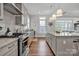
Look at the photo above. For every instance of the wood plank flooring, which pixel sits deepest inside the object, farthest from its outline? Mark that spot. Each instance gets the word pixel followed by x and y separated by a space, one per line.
pixel 39 47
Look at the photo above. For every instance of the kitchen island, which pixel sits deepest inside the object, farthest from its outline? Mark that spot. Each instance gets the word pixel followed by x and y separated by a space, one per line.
pixel 63 45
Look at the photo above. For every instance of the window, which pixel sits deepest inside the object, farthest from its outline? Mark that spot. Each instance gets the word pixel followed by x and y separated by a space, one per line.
pixel 42 23
pixel 42 27
pixel 64 25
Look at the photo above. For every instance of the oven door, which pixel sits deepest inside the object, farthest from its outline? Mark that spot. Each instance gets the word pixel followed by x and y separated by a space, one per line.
pixel 24 46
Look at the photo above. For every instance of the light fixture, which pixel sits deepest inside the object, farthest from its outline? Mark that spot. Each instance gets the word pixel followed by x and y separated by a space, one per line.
pixel 54 16
pixel 50 19
pixel 59 12
pixel 42 17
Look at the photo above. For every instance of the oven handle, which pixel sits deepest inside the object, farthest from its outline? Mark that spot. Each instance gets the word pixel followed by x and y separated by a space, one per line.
pixel 25 41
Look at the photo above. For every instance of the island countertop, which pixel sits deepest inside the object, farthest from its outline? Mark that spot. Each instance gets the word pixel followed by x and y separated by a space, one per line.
pixel 66 34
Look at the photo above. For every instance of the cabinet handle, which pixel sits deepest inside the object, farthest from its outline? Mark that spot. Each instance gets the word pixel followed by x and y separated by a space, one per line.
pixel 10 46
pixel 75 41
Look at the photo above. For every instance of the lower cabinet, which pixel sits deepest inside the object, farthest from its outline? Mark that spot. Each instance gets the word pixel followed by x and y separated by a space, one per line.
pixel 13 52
pixel 65 46
pixel 62 45
pixel 52 42
pixel 10 49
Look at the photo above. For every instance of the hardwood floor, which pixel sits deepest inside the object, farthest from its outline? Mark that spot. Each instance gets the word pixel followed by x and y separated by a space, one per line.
pixel 39 47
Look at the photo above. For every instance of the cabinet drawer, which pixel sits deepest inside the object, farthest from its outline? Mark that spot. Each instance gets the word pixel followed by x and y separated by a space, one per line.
pixel 7 48
pixel 13 52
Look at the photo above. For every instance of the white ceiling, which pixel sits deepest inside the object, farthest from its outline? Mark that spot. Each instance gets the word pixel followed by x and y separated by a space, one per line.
pixel 70 9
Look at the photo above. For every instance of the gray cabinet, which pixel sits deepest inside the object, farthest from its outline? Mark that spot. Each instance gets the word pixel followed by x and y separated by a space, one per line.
pixel 1 10
pixel 65 46
pixel 51 40
pixel 13 8
pixel 18 20
pixel 21 19
pixel 10 49
pixel 53 44
pixel 19 5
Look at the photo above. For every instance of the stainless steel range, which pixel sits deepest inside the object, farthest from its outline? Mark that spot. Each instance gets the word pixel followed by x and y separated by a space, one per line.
pixel 23 48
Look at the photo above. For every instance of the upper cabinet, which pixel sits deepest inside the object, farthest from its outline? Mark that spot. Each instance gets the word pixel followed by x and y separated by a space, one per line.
pixel 22 19
pixel 25 15
pixel 1 10
pixel 13 8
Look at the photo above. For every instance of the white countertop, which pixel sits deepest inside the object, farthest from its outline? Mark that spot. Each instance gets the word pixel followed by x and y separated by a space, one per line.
pixel 5 41
pixel 66 34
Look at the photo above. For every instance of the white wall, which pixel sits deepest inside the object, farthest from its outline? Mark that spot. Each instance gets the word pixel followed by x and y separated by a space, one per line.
pixel 9 21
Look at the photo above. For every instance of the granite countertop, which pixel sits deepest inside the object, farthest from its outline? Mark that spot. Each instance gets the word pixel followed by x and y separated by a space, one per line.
pixel 5 41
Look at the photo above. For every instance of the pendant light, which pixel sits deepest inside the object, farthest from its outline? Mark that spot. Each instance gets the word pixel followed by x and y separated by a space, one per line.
pixel 59 12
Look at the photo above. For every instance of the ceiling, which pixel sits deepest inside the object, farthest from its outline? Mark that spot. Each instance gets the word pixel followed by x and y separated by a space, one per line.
pixel 70 9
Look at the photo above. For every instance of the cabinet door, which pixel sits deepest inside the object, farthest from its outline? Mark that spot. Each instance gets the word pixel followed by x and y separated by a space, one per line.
pixel 24 16
pixel 53 44
pixel 19 5
pixel 13 52
pixel 59 47
pixel 5 49
pixel 65 46
pixel 68 47
pixel 1 10
pixel 18 20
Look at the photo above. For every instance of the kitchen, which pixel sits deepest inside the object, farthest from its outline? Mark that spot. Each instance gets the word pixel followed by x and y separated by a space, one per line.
pixel 22 24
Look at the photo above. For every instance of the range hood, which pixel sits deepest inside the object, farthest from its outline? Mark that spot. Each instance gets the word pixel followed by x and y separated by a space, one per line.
pixel 12 8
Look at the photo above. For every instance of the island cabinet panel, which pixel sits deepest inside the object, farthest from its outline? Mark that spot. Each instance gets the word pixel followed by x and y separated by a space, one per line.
pixel 65 46
pixel 53 44
pixel 51 40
